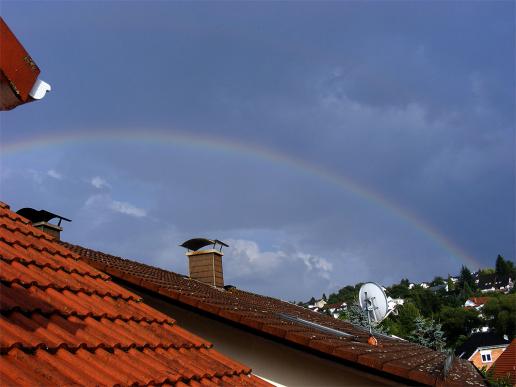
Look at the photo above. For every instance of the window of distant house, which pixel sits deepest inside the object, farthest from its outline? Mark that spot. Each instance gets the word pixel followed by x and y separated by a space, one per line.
pixel 486 356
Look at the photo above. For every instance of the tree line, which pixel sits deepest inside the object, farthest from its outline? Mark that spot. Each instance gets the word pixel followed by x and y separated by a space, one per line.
pixel 437 318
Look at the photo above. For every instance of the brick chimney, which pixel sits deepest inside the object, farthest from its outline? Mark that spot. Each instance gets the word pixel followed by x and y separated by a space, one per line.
pixel 41 219
pixel 49 228
pixel 205 265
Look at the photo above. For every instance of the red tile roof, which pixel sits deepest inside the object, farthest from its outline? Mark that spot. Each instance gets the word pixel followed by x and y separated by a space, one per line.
pixel 398 358
pixel 505 365
pixel 18 72
pixel 65 323
pixel 479 300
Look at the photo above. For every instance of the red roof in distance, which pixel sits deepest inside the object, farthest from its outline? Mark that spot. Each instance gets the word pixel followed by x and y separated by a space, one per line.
pixel 505 365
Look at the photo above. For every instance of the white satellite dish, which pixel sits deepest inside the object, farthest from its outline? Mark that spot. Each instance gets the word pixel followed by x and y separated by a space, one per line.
pixel 373 301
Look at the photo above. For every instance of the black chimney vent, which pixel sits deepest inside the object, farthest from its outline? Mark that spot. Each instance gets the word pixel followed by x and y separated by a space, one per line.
pixel 41 218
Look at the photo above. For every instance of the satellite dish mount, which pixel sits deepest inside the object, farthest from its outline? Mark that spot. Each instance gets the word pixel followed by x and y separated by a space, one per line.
pixel 373 302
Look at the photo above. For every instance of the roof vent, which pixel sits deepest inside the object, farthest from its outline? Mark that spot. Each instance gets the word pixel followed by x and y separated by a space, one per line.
pixel 41 218
pixel 205 265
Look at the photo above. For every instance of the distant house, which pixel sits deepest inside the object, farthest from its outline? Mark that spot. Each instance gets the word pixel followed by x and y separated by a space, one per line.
pixel 505 366
pixel 336 309
pixel 438 288
pixel 482 349
pixel 320 303
pixel 495 283
pixel 476 303
pixel 392 303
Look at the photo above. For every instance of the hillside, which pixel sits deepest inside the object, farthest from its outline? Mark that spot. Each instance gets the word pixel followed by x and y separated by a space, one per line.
pixel 443 313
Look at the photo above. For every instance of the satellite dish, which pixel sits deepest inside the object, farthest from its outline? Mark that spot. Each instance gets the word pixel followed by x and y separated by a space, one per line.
pixel 373 301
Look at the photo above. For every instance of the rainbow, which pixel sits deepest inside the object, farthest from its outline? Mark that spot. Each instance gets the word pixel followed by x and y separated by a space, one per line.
pixel 222 144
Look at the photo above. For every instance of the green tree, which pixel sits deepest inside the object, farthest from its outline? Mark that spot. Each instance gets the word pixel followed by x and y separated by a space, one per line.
pixel 347 294
pixel 457 322
pixel 404 323
pixel 356 315
pixel 466 278
pixel 428 302
pixel 500 313
pixel 400 290
pixel 466 292
pixel 438 281
pixel 504 267
pixel 428 333
pixel 451 285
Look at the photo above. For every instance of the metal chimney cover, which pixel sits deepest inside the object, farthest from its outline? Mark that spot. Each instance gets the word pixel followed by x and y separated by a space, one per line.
pixel 36 216
pixel 195 244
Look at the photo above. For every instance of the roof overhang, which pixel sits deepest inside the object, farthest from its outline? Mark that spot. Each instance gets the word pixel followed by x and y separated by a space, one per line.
pixel 19 81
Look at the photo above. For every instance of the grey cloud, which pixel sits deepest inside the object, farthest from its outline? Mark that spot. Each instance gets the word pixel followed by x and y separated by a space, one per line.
pixel 412 101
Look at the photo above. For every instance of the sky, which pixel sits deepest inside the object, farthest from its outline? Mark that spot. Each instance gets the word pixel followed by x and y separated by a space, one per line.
pixel 328 143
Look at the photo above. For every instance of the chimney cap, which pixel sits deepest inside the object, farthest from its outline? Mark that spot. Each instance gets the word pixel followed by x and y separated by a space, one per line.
pixel 36 216
pixel 195 244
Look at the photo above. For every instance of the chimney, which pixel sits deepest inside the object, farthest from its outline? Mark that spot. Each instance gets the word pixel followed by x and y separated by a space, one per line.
pixel 41 219
pixel 205 265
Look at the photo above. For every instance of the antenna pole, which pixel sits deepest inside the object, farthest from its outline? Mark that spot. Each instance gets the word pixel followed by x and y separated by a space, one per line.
pixel 367 311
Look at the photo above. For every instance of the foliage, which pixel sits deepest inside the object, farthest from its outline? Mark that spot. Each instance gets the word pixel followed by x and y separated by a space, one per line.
pixel 347 294
pixel 466 280
pixel 504 381
pixel 504 267
pixel 400 290
pixel 406 319
pixel 428 333
pixel 458 322
pixel 356 315
pixel 451 285
pixel 500 312
pixel 438 281
pixel 447 308
pixel 428 302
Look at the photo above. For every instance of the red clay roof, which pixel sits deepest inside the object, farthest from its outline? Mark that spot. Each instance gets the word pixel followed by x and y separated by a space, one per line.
pixel 65 323
pixel 18 72
pixel 412 362
pixel 505 365
pixel 479 300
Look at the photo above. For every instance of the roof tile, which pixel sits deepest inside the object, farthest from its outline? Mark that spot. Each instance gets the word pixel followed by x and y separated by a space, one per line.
pixel 262 313
pixel 505 365
pixel 69 324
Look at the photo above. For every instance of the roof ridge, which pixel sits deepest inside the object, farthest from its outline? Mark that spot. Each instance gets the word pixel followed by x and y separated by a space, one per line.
pixel 92 251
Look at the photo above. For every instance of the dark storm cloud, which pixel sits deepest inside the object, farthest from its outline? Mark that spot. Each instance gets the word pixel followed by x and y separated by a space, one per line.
pixel 414 101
